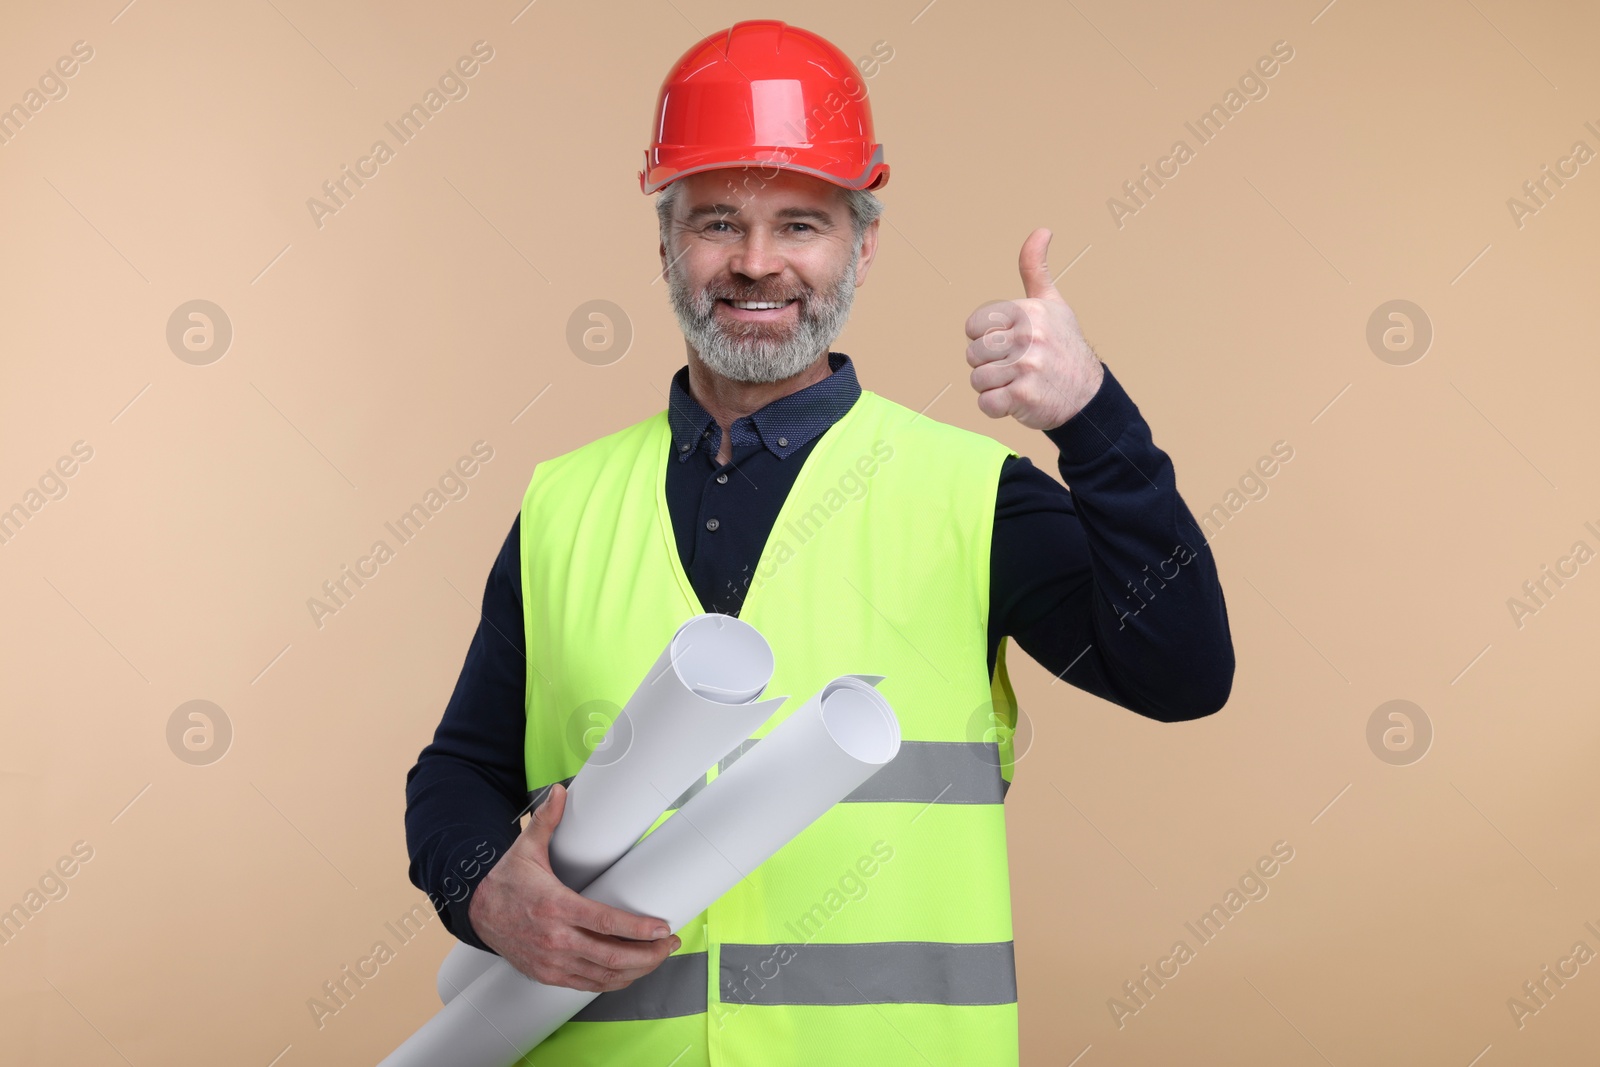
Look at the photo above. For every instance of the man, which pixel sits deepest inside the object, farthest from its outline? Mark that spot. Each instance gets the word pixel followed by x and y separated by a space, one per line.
pixel 857 535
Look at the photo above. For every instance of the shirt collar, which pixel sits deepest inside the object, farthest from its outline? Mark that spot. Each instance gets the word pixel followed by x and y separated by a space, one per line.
pixel 788 423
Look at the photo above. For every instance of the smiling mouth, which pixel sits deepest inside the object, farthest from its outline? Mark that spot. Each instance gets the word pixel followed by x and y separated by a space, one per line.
pixel 756 305
pixel 758 311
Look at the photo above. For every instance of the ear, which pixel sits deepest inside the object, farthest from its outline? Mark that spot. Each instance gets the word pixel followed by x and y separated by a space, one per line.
pixel 869 248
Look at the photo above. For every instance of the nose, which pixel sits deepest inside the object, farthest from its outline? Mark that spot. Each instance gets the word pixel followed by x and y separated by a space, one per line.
pixel 756 256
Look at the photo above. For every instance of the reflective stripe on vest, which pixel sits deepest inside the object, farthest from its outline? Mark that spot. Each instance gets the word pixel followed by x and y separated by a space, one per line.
pixel 929 772
pixel 882 932
pixel 894 972
pixel 676 988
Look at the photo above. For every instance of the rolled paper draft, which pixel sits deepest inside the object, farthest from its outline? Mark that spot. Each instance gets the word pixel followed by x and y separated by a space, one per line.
pixel 461 968
pixel 693 706
pixel 812 760
pixel 807 764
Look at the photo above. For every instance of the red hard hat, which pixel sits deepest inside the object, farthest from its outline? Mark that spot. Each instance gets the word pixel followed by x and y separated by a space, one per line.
pixel 764 94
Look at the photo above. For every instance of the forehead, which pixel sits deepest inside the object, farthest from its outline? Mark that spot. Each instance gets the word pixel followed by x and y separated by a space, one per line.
pixel 755 192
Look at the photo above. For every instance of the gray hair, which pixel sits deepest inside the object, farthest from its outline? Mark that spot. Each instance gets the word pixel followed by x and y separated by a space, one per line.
pixel 864 210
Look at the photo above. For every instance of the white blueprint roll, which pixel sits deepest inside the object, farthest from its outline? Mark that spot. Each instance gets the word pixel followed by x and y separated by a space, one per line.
pixel 460 969
pixel 691 708
pixel 807 764
pixel 812 760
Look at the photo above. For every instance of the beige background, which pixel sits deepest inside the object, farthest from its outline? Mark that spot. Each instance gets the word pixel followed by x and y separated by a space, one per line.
pixel 431 310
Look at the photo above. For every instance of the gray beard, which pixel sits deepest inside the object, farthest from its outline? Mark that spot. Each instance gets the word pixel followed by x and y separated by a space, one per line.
pixel 757 352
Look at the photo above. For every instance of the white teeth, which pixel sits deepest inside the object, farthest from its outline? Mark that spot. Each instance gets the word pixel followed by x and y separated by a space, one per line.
pixel 758 305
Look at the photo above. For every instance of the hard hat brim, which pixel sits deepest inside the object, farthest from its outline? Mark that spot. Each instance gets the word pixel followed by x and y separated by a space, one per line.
pixel 874 175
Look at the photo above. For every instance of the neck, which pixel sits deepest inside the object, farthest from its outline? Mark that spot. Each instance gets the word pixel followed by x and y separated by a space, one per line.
pixel 727 400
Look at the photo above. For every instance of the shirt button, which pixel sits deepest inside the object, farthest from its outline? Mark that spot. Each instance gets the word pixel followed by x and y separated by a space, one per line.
pixel 712 524
pixel 683 448
pixel 783 442
pixel 722 479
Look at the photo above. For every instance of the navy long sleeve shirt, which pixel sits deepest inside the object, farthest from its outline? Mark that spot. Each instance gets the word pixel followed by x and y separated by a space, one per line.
pixel 1110 586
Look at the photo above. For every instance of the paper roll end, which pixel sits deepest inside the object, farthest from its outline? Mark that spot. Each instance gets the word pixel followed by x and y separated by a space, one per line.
pixel 721 658
pixel 860 719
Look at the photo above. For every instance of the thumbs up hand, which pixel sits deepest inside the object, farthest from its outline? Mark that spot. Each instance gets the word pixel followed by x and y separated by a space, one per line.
pixel 1030 359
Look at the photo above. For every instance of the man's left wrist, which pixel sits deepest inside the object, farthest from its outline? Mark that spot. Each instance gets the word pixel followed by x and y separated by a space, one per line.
pixel 1097 380
pixel 1095 427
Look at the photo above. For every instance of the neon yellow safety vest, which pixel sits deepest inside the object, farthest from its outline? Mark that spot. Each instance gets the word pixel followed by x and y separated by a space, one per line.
pixel 882 933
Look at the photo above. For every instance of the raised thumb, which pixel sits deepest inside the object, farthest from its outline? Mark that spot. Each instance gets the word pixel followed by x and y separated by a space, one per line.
pixel 1035 271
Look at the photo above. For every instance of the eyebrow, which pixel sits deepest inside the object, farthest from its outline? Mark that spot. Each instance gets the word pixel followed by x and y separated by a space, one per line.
pixel 729 210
